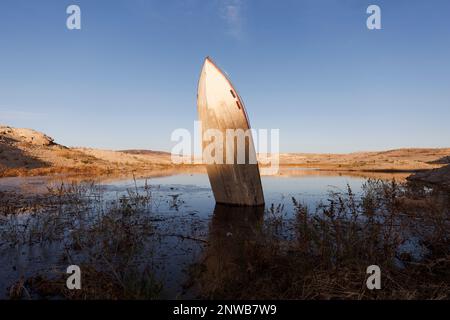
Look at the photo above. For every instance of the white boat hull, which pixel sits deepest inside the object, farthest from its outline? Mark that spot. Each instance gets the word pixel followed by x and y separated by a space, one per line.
pixel 221 108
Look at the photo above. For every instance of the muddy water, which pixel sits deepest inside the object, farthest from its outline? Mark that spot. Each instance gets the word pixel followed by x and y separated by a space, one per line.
pixel 188 222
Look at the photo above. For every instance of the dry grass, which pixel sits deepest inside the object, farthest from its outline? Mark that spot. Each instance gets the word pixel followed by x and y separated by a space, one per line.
pixel 318 254
pixel 328 251
pixel 398 160
pixel 108 240
pixel 90 170
pixel 25 152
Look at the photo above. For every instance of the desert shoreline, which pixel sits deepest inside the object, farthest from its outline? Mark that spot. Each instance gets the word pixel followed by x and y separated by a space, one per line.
pixel 26 152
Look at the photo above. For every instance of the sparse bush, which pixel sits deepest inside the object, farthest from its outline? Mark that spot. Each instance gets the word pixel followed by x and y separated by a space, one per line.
pixel 108 239
pixel 403 229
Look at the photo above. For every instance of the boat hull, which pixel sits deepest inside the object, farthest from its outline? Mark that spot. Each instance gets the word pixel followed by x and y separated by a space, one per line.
pixel 220 108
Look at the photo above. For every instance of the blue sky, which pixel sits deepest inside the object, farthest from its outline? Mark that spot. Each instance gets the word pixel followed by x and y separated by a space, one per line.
pixel 128 78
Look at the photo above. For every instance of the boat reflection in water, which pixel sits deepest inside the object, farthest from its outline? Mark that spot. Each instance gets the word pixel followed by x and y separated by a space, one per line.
pixel 233 231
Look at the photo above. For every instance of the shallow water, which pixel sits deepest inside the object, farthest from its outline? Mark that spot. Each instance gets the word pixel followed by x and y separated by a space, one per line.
pixel 185 216
pixel 194 193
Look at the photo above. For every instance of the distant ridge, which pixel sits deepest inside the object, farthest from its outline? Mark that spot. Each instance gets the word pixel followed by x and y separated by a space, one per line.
pixel 30 152
pixel 145 152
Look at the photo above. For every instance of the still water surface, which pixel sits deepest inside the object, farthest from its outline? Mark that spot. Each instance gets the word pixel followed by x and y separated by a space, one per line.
pixel 188 215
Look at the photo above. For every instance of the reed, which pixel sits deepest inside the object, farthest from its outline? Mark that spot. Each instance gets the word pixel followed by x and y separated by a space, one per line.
pixel 316 253
pixel 402 228
pixel 107 239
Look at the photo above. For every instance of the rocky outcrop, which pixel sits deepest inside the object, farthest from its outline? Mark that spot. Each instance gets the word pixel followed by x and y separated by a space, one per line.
pixel 29 152
pixel 25 135
pixel 440 177
pixel 444 160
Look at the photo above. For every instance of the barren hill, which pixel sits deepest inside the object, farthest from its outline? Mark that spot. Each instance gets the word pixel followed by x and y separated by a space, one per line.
pixel 407 159
pixel 29 152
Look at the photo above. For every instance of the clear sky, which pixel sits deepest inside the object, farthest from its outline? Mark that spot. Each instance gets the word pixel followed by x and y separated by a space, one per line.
pixel 311 68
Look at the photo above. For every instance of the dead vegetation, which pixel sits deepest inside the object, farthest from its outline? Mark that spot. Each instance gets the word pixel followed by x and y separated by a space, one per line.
pixel 324 254
pixel 26 152
pixel 250 253
pixel 397 160
pixel 107 239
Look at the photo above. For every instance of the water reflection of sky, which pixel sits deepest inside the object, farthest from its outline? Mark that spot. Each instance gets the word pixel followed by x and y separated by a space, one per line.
pixel 194 193
pixel 196 206
pixel 182 204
